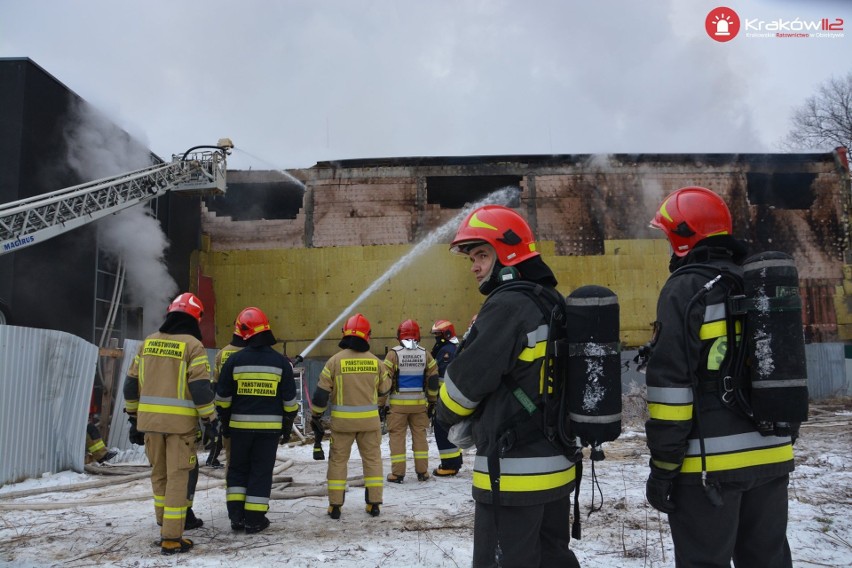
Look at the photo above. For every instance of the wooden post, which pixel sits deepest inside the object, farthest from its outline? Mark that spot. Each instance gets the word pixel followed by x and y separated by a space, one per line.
pixel 110 355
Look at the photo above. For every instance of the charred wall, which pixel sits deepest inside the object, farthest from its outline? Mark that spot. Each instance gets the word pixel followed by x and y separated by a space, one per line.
pixel 794 203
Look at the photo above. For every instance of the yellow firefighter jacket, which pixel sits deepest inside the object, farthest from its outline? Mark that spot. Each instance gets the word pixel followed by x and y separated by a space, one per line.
pixel 168 384
pixel 353 384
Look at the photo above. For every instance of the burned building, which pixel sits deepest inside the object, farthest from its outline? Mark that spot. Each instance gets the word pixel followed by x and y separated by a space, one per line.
pixel 338 227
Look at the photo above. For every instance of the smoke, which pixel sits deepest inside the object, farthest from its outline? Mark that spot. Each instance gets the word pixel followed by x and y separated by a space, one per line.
pixel 97 149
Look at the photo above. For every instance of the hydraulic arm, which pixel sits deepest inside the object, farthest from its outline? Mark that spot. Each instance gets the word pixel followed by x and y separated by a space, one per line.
pixel 36 219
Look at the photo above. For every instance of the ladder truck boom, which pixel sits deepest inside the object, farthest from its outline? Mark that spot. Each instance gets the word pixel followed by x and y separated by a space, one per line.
pixel 29 221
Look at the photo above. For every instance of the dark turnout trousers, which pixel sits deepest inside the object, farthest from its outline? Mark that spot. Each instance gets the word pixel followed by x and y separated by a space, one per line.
pixel 750 527
pixel 531 536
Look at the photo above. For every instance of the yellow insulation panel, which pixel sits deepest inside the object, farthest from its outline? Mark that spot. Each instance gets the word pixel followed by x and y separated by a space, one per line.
pixel 308 293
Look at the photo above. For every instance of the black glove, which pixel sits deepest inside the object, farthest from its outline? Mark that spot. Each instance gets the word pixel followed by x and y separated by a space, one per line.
pixel 212 430
pixel 659 488
pixel 430 410
pixel 134 435
pixel 286 431
pixel 383 413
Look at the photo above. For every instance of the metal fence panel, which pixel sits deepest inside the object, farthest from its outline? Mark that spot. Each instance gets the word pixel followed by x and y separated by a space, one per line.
pixel 46 380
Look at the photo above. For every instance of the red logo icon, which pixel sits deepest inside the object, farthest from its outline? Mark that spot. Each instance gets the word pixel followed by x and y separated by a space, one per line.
pixel 722 24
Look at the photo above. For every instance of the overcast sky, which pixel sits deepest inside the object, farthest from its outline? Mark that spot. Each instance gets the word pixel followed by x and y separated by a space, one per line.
pixel 297 82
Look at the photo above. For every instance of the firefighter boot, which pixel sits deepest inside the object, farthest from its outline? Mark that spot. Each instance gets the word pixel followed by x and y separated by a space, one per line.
pixel 262 525
pixel 175 546
pixel 444 472
pixel 393 478
pixel 373 509
pixel 191 521
pixel 334 511
pixel 422 476
pixel 108 456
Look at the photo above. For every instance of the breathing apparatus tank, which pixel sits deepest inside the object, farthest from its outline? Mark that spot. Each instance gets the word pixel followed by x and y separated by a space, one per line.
pixel 775 340
pixel 593 367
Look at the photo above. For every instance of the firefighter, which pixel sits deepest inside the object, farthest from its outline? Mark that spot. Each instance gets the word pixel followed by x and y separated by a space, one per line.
pixel 444 350
pixel 256 400
pixel 166 391
pixel 722 483
pixel 95 447
pixel 522 482
pixel 237 343
pixel 354 383
pixel 414 374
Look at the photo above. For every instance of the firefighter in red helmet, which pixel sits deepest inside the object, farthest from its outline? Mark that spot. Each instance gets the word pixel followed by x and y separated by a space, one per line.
pixel 166 391
pixel 522 482
pixel 721 481
pixel 353 384
pixel 256 401
pixel 414 374
pixel 443 351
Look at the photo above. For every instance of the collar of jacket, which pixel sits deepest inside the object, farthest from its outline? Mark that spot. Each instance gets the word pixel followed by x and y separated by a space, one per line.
pixel 719 247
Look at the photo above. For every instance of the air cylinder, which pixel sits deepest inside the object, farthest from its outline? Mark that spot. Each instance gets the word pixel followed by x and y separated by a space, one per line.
pixel 594 365
pixel 776 342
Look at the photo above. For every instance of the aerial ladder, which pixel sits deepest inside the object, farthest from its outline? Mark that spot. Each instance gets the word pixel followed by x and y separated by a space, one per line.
pixel 26 222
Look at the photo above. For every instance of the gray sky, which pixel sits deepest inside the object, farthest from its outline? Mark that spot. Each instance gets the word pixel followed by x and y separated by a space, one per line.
pixel 296 82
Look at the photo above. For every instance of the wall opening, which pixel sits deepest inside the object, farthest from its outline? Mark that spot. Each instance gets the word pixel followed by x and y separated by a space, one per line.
pixel 454 192
pixel 781 190
pixel 252 201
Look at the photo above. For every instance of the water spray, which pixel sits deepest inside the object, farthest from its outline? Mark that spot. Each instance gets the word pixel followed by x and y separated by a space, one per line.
pixel 502 196
pixel 290 177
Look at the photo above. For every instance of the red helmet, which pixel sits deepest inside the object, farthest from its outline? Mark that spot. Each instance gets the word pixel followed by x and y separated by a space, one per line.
pixel 444 328
pixel 358 326
pixel 250 322
pixel 500 227
pixel 189 304
pixel 691 214
pixel 408 330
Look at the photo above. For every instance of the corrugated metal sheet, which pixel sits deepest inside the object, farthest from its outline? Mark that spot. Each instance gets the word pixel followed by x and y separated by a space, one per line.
pixel 46 378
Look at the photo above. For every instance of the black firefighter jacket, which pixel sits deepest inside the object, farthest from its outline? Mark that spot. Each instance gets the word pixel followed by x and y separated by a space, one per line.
pixel 508 338
pixel 693 345
pixel 256 391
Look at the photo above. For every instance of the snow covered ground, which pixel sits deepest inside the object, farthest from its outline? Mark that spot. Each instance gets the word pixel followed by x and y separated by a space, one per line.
pixel 63 519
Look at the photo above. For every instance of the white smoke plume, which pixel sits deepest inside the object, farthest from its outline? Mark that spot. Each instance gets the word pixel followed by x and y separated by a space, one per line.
pixel 97 148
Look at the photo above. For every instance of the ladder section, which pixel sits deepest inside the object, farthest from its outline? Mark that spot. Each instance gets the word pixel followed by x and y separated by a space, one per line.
pixel 36 219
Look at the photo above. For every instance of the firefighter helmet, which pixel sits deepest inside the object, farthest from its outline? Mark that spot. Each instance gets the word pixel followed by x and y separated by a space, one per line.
pixel 408 330
pixel 358 326
pixel 500 227
pixel 443 328
pixel 250 322
pixel 691 214
pixel 187 303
